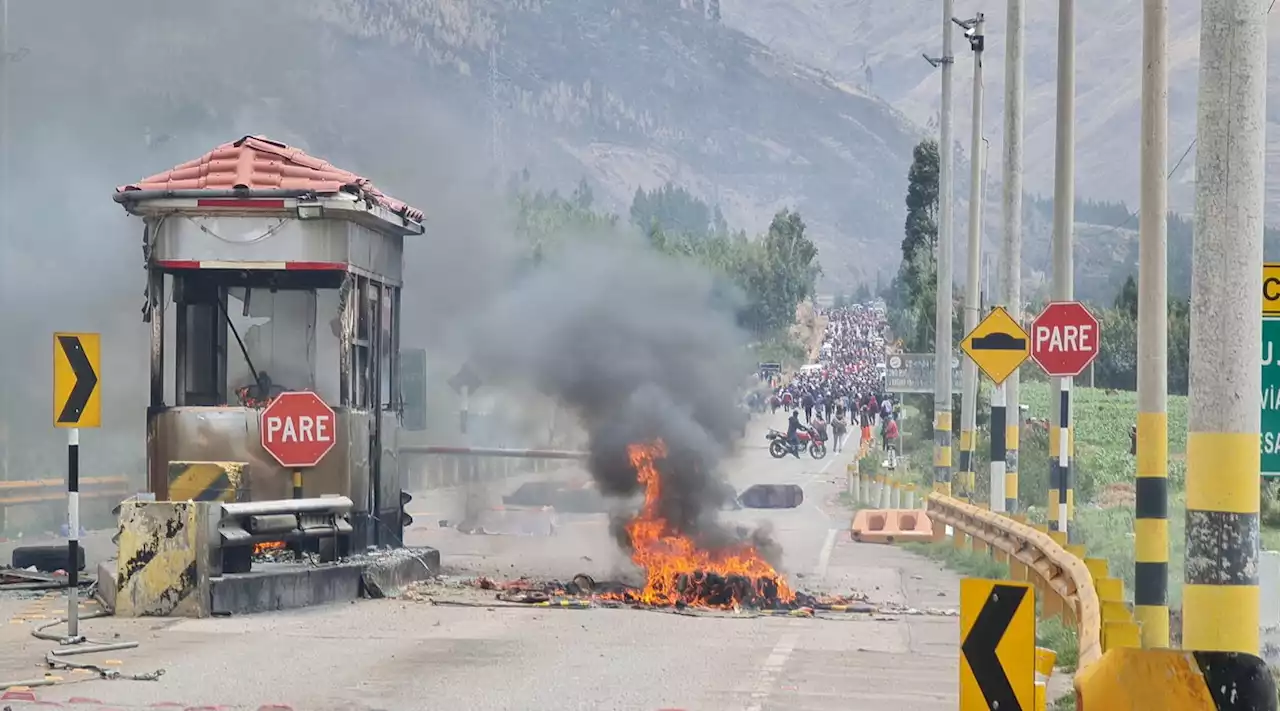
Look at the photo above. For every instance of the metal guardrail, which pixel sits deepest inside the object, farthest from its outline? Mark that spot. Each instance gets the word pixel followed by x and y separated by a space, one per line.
pixel 494 452
pixel 33 491
pixel 320 523
pixel 1063 579
pixel 440 466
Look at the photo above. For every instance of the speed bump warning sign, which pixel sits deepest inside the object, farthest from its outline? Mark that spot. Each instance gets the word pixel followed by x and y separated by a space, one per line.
pixel 998 345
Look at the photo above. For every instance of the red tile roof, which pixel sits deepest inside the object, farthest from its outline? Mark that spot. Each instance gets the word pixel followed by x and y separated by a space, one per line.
pixel 258 163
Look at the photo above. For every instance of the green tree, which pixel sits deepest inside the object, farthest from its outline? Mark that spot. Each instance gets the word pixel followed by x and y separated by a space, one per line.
pixel 582 195
pixel 1127 299
pixel 779 272
pixel 671 209
pixel 911 294
pixel 761 280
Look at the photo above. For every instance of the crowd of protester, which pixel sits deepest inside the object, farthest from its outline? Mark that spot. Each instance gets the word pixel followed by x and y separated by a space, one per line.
pixel 843 391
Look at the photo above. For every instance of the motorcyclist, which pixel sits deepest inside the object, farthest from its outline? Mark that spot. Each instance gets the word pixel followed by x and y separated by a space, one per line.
pixel 793 427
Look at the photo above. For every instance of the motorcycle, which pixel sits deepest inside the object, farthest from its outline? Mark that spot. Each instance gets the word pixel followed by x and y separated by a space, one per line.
pixel 779 447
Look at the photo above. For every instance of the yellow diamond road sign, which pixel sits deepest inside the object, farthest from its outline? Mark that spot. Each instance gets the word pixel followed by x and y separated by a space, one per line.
pixel 76 368
pixel 998 345
pixel 997 645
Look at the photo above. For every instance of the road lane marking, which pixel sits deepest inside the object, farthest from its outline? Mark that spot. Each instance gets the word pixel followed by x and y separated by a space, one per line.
pixel 777 659
pixel 824 558
pixel 772 667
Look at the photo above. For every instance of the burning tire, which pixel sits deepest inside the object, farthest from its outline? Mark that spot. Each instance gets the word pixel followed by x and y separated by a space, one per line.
pixel 817 450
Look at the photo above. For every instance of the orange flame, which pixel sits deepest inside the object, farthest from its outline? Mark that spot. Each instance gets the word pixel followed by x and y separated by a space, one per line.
pixel 267 546
pixel 671 559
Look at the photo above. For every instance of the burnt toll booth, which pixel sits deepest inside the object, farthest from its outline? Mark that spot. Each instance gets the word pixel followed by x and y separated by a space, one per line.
pixel 271 271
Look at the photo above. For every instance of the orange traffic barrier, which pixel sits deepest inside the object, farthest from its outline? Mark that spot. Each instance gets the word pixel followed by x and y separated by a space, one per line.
pixel 891 526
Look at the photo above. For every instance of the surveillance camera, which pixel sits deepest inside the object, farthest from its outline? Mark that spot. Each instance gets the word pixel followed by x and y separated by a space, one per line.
pixel 970 31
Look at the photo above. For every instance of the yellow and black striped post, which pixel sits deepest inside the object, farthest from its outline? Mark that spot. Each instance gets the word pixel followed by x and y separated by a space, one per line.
pixel 1220 594
pixel 1061 477
pixel 997 498
pixel 1151 530
pixel 297 483
pixel 1055 481
pixel 1012 432
pixel 964 475
pixel 942 453
pixel 1220 598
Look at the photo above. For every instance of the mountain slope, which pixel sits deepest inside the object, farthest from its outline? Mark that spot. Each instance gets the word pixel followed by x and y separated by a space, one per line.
pixel 631 94
pixel 877 44
pixel 640 93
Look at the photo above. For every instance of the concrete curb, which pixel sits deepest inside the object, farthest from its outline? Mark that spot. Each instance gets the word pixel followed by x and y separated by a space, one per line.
pixel 388 575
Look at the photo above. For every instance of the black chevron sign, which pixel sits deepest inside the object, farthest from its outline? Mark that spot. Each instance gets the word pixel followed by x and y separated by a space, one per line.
pixel 979 647
pixel 86 380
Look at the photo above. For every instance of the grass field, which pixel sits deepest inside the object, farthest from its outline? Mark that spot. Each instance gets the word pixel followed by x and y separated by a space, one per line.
pixel 1104 468
pixel 1102 422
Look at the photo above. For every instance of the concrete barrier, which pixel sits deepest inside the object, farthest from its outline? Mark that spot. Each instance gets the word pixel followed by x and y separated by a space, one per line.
pixel 163 564
pixel 1127 679
pixel 891 526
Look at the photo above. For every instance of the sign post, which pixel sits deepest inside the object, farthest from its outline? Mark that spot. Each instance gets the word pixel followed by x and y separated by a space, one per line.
pixel 999 347
pixel 464 382
pixel 77 359
pixel 298 429
pixel 997 645
pixel 1271 370
pixel 907 373
pixel 1065 339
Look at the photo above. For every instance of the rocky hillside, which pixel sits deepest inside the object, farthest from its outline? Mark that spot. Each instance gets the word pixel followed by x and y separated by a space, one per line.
pixel 876 44
pixel 629 94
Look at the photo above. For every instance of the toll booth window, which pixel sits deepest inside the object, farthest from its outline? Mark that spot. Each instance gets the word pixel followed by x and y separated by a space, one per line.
pixel 387 350
pixel 272 333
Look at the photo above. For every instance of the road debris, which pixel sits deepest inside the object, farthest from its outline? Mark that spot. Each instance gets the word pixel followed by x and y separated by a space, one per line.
pixel 583 592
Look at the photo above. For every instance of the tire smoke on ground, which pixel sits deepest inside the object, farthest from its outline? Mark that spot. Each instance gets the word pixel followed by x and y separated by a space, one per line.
pixel 641 347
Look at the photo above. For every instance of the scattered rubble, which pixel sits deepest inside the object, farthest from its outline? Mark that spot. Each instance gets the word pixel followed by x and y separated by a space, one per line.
pixel 582 591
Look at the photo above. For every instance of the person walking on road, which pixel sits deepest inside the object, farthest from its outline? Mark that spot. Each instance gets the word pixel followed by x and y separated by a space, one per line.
pixel 889 433
pixel 819 426
pixel 839 430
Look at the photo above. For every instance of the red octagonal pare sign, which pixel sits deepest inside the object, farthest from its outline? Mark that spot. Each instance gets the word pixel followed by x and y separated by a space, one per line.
pixel 298 429
pixel 1065 339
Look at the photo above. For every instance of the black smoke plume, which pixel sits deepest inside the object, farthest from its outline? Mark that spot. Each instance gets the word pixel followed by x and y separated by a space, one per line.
pixel 642 347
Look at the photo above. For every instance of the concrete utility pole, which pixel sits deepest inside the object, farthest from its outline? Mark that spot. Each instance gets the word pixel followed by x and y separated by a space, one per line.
pixel 973 276
pixel 1220 594
pixel 942 322
pixel 1151 511
pixel 1011 264
pixel 1061 444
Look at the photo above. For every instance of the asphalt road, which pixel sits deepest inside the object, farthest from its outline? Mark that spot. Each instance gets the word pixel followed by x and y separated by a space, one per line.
pixel 410 654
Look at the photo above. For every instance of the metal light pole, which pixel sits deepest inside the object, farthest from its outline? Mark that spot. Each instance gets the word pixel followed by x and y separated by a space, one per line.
pixel 1061 443
pixel 1011 264
pixel 1220 596
pixel 969 373
pixel 943 310
pixel 1151 510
